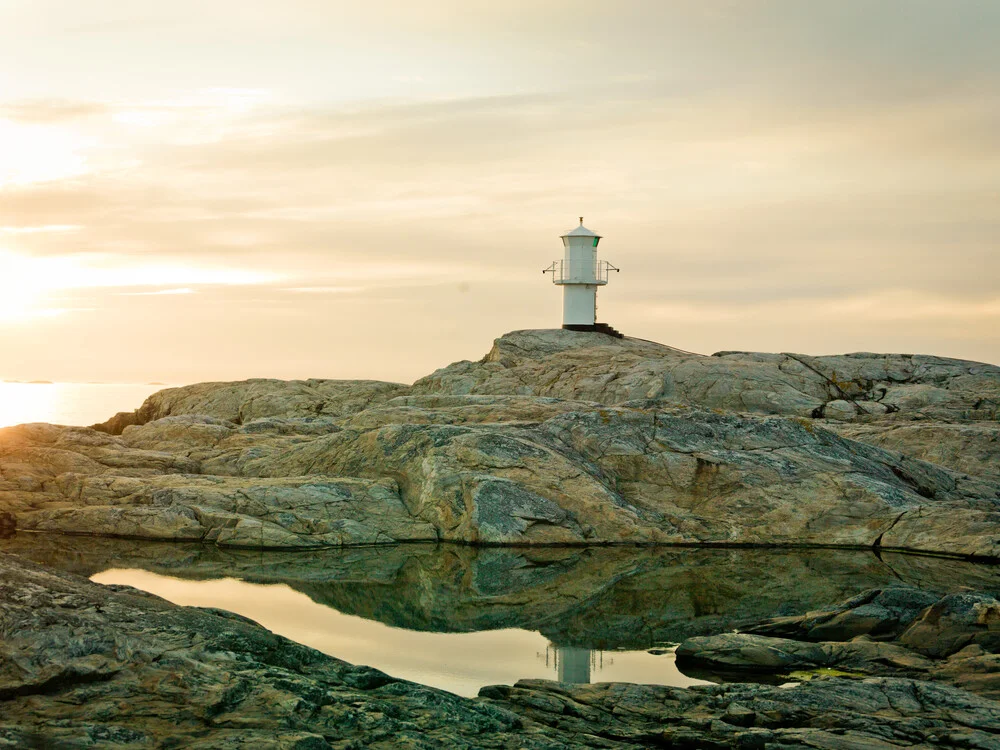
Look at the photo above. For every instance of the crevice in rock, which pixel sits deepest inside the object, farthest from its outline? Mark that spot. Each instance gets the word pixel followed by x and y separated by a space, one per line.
pixel 910 481
pixel 65 680
pixel 840 393
pixel 877 544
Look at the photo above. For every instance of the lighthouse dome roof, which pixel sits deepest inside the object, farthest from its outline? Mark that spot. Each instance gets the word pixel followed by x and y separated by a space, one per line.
pixel 581 231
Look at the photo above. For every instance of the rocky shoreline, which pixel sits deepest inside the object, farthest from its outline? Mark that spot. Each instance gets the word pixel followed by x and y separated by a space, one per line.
pixel 85 665
pixel 895 631
pixel 555 437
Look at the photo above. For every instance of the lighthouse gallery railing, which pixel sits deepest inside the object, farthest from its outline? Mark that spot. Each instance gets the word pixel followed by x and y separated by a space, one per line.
pixel 580 272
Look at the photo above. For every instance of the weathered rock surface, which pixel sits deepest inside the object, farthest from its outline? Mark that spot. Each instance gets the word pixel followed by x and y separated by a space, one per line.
pixel 954 623
pixel 872 714
pixel 260 398
pixel 892 631
pixel 745 651
pixel 594 367
pixel 615 474
pixel 83 481
pixel 556 437
pixel 966 447
pixel 955 401
pixel 83 665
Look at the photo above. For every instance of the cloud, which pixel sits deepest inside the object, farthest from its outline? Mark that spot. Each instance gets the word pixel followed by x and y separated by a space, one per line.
pixel 762 158
pixel 325 289
pixel 51 111
pixel 888 306
pixel 159 292
pixel 44 228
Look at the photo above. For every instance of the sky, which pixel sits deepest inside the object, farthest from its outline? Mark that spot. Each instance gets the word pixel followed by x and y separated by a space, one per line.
pixel 314 188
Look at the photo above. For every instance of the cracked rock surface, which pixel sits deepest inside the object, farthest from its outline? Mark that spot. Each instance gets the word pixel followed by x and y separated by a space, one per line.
pixel 892 631
pixel 555 437
pixel 84 665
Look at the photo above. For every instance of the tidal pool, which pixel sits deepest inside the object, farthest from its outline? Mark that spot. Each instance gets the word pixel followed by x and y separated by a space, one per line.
pixel 460 618
pixel 459 662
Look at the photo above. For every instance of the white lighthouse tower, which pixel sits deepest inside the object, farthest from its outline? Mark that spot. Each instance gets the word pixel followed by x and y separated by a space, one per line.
pixel 579 273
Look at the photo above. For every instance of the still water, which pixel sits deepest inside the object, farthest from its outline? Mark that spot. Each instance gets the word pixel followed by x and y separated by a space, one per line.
pixel 460 618
pixel 459 662
pixel 69 403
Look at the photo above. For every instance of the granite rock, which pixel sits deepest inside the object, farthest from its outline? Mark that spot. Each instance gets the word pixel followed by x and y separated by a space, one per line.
pixel 590 475
pixel 965 447
pixel 555 437
pixel 892 631
pixel 883 612
pixel 594 367
pixel 84 665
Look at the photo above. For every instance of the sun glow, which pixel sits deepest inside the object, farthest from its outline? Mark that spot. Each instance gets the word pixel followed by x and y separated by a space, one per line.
pixel 67 403
pixel 27 282
pixel 19 289
pixel 38 153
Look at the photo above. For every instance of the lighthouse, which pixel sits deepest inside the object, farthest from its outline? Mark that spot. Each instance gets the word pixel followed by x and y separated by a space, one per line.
pixel 579 273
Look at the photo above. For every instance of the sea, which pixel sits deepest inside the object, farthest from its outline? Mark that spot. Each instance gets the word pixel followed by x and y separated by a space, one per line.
pixel 69 403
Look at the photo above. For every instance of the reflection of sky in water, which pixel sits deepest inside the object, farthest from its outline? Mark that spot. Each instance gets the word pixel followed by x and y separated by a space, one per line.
pixel 459 662
pixel 68 403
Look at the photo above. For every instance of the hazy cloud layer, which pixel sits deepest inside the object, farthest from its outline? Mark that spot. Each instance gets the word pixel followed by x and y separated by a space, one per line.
pixel 310 190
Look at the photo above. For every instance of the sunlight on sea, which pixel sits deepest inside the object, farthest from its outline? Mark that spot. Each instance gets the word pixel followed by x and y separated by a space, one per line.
pixel 69 403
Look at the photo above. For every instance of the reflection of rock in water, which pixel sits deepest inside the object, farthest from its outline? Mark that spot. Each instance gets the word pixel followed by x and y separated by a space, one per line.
pixel 590 598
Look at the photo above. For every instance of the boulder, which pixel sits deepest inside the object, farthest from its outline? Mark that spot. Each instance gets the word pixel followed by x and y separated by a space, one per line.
pixel 955 622
pixel 955 638
pixel 758 653
pixel 884 613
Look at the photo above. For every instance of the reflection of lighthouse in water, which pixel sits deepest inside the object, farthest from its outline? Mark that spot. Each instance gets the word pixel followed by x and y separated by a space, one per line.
pixel 573 665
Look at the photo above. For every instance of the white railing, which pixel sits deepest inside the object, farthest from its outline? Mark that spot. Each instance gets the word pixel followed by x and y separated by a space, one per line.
pixel 580 272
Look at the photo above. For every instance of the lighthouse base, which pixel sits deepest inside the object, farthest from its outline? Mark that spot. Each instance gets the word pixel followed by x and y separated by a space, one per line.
pixel 595 328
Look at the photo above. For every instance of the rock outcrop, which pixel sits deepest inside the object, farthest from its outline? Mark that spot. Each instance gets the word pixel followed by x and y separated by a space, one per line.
pixel 892 631
pixel 872 714
pixel 556 437
pixel 247 400
pixel 955 402
pixel 593 367
pixel 964 446
pixel 84 665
